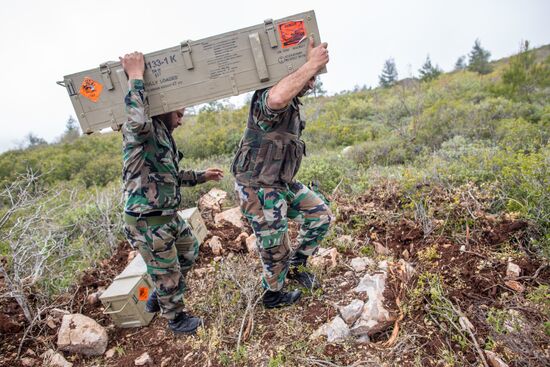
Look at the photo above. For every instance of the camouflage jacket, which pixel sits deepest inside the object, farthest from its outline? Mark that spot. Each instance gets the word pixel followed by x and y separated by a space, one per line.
pixel 151 175
pixel 271 151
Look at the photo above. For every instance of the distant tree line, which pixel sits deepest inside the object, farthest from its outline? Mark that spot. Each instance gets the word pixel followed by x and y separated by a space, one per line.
pixel 478 61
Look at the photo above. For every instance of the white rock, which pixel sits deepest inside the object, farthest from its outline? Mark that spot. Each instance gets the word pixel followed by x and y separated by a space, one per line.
pixel 337 330
pixel 383 265
pixel 28 362
pixel 321 331
pixel 166 362
pixel 513 270
pixel 325 258
pixel 362 327
pixel 363 339
pixel 143 360
pixel 372 284
pixel 51 322
pixel 381 249
pixel 462 248
pixel 80 334
pixel 251 244
pixel 215 245
pixel 352 312
pixel 494 360
pixel 53 359
pixel 374 317
pixel 232 216
pixel 210 204
pixel 361 263
pixel 110 353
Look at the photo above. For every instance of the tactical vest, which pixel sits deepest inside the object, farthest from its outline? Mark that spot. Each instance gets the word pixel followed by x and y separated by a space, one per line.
pixel 270 158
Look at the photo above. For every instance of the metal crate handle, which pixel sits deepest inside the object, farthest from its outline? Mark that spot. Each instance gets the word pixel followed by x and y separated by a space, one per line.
pixel 105 312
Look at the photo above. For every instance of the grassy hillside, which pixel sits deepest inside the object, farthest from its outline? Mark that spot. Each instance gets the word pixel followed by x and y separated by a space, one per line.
pixel 459 156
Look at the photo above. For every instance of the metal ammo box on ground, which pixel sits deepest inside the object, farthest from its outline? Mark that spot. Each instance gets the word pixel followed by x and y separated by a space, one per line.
pixel 195 72
pixel 194 219
pixel 125 298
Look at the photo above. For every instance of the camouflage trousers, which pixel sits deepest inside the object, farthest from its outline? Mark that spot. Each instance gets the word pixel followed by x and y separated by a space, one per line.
pixel 169 250
pixel 268 211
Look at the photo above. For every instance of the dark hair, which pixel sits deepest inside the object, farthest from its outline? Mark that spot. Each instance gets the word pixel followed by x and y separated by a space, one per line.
pixel 165 119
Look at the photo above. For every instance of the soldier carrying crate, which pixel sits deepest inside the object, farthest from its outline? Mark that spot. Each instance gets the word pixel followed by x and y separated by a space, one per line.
pixel 152 182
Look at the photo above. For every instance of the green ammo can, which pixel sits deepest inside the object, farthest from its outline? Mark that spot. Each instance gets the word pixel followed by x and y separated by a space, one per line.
pixel 125 298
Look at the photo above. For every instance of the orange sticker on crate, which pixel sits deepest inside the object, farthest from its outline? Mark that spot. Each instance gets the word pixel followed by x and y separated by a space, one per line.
pixel 292 33
pixel 143 293
pixel 91 89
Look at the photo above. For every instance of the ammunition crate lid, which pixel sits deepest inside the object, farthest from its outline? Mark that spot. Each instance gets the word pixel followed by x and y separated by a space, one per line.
pixel 120 288
pixel 125 282
pixel 137 267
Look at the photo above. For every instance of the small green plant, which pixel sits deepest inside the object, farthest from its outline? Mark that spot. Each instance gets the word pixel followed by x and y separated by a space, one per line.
pixel 448 356
pixel 497 318
pixel 429 253
pixel 237 357
pixel 277 361
pixel 120 351
pixel 540 296
pixel 490 344
pixel 367 251
pixel 240 355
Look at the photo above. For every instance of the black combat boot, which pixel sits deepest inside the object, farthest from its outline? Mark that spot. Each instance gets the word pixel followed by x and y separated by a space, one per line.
pixel 298 272
pixel 152 304
pixel 184 323
pixel 280 298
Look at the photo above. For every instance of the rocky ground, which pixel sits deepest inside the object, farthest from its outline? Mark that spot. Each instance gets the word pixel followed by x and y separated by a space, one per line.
pixel 442 281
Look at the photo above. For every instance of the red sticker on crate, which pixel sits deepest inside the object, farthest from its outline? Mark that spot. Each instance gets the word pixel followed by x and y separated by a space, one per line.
pixel 292 33
pixel 143 293
pixel 91 89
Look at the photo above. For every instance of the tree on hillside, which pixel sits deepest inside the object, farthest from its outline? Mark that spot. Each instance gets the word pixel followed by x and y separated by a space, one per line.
pixel 32 140
pixel 479 59
pixel 524 74
pixel 460 63
pixel 318 88
pixel 72 130
pixel 389 74
pixel 212 106
pixel 428 71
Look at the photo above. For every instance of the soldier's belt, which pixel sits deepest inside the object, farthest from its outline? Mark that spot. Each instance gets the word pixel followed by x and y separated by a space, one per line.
pixel 151 221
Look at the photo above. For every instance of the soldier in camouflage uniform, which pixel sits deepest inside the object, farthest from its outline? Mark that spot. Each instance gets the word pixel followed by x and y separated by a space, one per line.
pixel 264 167
pixel 152 182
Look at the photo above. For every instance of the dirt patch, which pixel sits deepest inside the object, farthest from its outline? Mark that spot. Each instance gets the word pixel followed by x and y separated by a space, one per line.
pixel 459 250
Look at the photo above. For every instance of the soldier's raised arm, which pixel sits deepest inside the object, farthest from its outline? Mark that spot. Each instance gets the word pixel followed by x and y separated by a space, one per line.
pixel 139 124
pixel 287 88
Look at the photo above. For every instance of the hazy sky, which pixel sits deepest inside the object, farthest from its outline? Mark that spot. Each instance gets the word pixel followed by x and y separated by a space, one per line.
pixel 41 41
